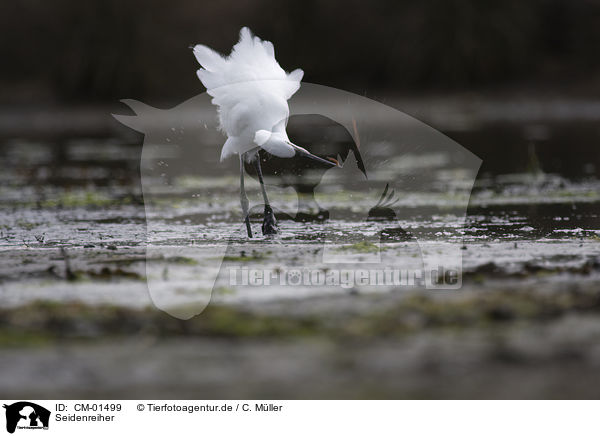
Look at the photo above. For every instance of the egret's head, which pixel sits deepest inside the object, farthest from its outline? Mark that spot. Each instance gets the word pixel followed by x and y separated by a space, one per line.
pixel 278 144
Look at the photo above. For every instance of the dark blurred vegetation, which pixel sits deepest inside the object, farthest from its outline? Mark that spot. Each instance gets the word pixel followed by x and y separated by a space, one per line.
pixel 101 50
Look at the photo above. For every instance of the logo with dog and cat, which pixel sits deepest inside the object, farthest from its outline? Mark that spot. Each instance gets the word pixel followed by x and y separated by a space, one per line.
pixel 25 415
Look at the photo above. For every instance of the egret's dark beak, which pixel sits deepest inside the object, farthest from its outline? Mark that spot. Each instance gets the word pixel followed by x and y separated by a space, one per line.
pixel 329 161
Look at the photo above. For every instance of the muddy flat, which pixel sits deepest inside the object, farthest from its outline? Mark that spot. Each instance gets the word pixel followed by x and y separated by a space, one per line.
pixel 88 252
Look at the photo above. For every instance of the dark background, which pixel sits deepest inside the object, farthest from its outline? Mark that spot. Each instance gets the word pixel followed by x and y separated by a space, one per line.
pixel 514 81
pixel 67 51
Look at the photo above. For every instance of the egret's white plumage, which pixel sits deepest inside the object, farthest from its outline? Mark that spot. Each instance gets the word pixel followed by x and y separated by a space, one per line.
pixel 251 91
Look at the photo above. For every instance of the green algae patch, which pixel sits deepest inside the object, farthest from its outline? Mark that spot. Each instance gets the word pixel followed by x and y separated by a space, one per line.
pixel 361 247
pixel 42 322
pixel 11 338
pixel 181 260
pixel 45 322
pixel 80 199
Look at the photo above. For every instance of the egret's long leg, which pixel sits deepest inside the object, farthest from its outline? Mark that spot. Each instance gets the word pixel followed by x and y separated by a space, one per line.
pixel 244 198
pixel 269 226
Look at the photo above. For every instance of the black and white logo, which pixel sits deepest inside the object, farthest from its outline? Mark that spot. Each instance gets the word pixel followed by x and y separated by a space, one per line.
pixel 26 415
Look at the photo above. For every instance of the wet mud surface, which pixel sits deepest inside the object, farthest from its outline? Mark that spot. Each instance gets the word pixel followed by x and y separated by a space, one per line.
pixel 77 319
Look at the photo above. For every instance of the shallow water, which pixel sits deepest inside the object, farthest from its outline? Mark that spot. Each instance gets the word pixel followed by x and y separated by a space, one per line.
pixel 84 196
pixel 76 226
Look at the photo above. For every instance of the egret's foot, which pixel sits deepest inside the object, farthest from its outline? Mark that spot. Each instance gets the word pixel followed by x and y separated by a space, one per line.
pixel 269 226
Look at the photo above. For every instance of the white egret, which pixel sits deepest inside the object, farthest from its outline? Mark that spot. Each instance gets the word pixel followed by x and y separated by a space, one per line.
pixel 251 92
